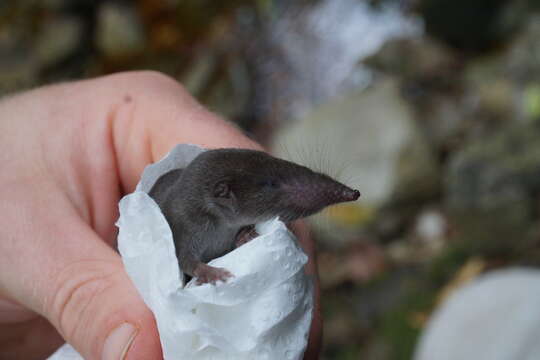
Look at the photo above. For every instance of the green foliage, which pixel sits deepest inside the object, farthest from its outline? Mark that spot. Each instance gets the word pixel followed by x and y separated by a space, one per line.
pixel 402 325
pixel 445 266
pixel 349 352
pixel 398 325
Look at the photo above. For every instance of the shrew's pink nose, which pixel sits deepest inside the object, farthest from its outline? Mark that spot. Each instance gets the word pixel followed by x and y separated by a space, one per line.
pixel 346 194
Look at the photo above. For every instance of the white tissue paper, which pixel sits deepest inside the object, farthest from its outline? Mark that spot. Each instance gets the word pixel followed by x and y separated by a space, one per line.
pixel 263 312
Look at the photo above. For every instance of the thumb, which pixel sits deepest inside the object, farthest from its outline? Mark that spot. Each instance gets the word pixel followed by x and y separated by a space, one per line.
pixel 85 293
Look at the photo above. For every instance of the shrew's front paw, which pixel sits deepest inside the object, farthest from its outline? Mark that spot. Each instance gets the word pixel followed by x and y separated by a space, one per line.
pixel 209 274
pixel 245 235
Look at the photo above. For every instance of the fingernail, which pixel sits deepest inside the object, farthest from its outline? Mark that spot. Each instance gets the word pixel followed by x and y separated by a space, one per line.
pixel 118 342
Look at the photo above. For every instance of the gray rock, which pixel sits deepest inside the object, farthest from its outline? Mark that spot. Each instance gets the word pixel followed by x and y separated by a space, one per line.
pixel 414 57
pixel 57 38
pixel 431 228
pixel 197 75
pixel 495 318
pixel 499 87
pixel 523 56
pixel 222 84
pixel 120 31
pixel 492 185
pixel 431 78
pixel 370 136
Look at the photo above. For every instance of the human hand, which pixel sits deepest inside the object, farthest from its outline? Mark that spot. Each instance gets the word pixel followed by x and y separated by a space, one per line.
pixel 68 153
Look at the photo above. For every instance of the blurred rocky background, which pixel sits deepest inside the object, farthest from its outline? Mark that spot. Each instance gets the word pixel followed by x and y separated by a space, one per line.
pixel 430 107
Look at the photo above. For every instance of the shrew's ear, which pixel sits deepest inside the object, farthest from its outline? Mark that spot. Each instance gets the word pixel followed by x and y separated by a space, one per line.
pixel 222 190
pixel 224 197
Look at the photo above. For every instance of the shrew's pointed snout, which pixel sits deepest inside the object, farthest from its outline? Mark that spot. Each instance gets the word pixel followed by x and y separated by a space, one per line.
pixel 338 193
pixel 348 194
pixel 319 191
pixel 312 192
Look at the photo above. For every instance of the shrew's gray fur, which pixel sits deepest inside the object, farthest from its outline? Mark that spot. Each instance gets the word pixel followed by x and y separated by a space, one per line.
pixel 213 203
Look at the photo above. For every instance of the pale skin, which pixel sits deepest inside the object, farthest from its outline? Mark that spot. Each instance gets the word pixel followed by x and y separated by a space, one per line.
pixel 68 153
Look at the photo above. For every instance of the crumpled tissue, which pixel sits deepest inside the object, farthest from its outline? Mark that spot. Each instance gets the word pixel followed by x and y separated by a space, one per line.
pixel 264 312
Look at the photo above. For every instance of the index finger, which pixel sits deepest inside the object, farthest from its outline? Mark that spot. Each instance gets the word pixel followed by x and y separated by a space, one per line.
pixel 150 113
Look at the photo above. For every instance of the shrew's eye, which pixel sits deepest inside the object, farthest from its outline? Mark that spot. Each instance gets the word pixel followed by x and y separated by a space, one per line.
pixel 269 183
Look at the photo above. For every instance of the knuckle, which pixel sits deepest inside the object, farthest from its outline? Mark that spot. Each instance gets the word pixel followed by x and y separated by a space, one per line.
pixel 78 286
pixel 152 76
pixel 152 79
